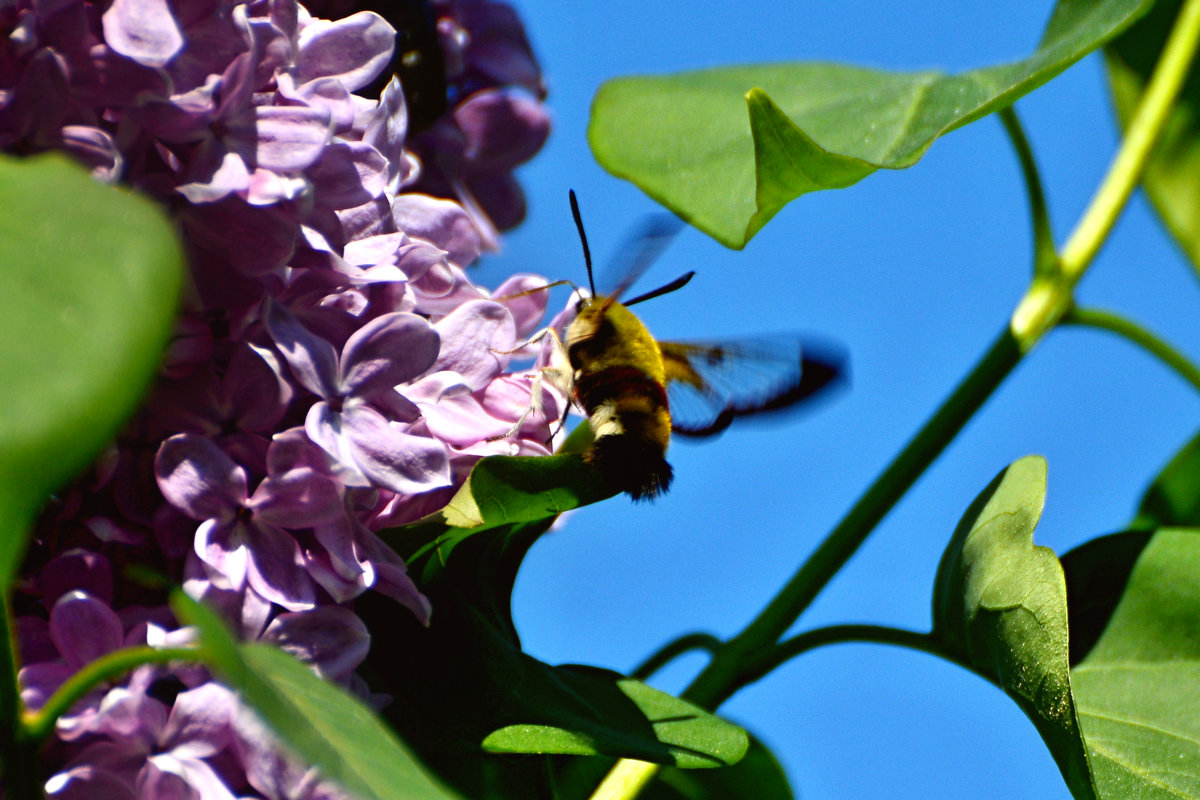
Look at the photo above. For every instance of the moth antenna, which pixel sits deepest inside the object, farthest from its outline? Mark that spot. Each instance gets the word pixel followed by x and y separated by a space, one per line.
pixel 587 253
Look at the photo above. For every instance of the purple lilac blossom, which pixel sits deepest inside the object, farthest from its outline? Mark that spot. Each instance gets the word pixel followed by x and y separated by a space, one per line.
pixel 334 369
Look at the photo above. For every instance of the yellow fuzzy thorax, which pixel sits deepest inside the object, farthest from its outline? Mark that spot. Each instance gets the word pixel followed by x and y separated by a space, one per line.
pixel 615 337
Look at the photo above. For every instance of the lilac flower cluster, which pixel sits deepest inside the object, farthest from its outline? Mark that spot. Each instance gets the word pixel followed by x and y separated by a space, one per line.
pixel 334 370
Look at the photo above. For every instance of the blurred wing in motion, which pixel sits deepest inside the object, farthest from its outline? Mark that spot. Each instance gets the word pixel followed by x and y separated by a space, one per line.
pixel 708 384
pixel 646 244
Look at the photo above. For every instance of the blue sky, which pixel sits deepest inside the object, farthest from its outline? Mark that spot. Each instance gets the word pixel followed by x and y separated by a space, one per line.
pixel 914 272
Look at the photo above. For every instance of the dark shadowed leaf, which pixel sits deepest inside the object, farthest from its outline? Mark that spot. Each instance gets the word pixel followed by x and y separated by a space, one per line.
pixel 757 775
pixel 692 143
pixel 1138 689
pixel 464 681
pixel 1096 573
pixel 1172 177
pixel 1173 499
pixel 319 722
pixel 1000 607
pixel 92 286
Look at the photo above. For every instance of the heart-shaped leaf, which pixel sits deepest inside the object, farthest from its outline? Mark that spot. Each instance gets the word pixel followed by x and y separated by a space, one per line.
pixel 1000 607
pixel 688 141
pixel 91 274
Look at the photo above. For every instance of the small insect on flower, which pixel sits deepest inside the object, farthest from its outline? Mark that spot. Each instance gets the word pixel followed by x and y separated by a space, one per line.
pixel 636 391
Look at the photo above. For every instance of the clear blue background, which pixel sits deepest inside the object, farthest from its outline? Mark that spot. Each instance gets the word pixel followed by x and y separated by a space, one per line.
pixel 915 272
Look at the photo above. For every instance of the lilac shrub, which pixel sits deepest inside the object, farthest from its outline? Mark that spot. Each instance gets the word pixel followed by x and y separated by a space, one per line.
pixel 334 369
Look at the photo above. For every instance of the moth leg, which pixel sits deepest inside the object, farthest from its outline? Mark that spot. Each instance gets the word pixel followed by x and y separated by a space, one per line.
pixel 537 337
pixel 557 373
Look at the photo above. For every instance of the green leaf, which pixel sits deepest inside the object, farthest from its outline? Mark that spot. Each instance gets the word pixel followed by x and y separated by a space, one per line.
pixel 323 725
pixel 1172 177
pixel 1000 607
pixel 687 141
pixel 464 681
pixel 504 491
pixel 1174 497
pixel 757 775
pixel 683 734
pixel 787 163
pixel 92 276
pixel 1138 689
pixel 1097 573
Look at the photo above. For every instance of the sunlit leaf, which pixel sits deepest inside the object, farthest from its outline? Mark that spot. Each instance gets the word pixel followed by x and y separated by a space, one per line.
pixel 505 490
pixel 692 143
pixel 1138 689
pixel 319 722
pixel 1000 606
pixel 91 276
pixel 502 490
pixel 684 734
pixel 1172 176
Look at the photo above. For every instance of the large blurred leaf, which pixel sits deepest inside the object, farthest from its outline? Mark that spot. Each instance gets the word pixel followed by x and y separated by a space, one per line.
pixel 90 274
pixel 1172 177
pixel 1000 606
pixel 757 775
pixel 688 141
pixel 464 681
pixel 1138 690
pixel 319 722
pixel 1173 499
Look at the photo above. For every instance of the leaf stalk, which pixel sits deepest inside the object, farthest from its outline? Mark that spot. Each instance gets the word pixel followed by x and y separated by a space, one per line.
pixel 36 725
pixel 1138 335
pixel 673 649
pixel 1045 256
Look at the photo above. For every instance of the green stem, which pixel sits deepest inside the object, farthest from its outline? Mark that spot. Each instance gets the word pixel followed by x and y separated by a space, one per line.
pixel 10 691
pixel 1047 301
pixel 845 634
pixel 1138 335
pixel 1141 135
pixel 18 775
pixel 1045 257
pixel 39 724
pixel 674 649
pixel 737 660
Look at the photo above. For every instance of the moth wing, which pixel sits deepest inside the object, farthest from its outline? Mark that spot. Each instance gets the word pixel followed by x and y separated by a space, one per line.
pixel 711 383
pixel 645 244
